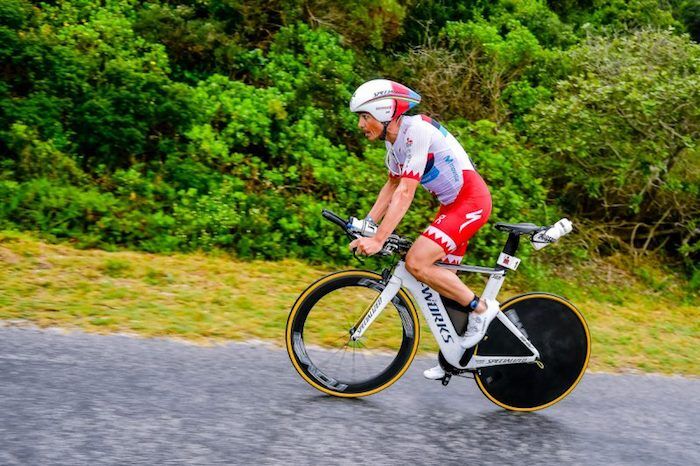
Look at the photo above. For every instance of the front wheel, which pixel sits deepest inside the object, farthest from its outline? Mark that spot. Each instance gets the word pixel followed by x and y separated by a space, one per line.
pixel 558 331
pixel 323 319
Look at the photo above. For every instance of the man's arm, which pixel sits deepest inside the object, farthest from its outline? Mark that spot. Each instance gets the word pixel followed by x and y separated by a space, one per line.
pixel 400 202
pixel 383 199
pixel 417 143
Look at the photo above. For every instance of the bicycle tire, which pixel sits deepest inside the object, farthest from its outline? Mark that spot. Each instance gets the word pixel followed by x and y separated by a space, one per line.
pixel 300 334
pixel 559 332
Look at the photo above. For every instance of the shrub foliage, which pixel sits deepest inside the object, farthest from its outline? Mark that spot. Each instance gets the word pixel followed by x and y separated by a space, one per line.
pixel 181 124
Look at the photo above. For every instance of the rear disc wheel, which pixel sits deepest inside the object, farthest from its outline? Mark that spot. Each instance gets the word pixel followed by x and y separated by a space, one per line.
pixel 559 332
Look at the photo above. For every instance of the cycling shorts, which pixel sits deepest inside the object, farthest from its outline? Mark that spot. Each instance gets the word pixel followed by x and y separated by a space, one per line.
pixel 457 222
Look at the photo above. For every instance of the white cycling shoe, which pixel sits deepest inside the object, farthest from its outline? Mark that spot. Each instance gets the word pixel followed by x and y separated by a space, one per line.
pixel 434 373
pixel 478 323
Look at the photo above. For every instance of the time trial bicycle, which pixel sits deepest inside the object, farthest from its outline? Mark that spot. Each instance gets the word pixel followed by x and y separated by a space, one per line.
pixel 354 333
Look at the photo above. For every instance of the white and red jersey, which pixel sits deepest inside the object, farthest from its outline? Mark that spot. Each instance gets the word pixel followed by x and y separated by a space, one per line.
pixel 425 151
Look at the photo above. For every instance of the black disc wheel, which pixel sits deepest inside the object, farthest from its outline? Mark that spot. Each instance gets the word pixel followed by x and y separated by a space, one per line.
pixel 558 331
pixel 322 321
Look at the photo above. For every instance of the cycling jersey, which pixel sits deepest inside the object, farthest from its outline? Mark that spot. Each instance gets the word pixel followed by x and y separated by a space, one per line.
pixel 425 151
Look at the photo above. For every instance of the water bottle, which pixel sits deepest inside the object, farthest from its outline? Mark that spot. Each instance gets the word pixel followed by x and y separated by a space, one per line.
pixel 553 233
pixel 366 227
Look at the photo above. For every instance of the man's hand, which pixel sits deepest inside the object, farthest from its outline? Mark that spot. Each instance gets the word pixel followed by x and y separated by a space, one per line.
pixel 367 246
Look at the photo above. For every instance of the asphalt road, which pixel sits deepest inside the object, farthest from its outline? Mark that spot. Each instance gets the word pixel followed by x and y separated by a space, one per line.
pixel 80 399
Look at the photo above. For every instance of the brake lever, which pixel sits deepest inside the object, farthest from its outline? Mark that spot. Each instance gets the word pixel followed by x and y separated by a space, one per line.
pixel 354 236
pixel 361 261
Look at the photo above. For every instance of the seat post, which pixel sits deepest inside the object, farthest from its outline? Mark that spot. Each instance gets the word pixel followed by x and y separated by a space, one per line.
pixel 512 244
pixel 510 248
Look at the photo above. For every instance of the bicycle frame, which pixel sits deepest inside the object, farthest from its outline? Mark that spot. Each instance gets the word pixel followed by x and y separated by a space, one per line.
pixel 430 303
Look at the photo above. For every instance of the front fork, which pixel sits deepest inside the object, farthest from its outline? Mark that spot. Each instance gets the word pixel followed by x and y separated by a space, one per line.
pixel 376 308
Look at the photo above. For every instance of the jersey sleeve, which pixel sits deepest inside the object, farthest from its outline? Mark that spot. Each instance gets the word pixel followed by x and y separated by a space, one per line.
pixel 392 165
pixel 417 143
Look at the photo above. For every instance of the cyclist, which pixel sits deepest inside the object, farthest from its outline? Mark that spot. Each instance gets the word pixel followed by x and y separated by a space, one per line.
pixel 421 150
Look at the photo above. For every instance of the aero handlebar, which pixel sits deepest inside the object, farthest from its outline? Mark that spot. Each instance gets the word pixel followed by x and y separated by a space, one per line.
pixel 327 214
pixel 394 243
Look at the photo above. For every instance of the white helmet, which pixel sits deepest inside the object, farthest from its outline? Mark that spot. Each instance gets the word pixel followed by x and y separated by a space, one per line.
pixel 383 99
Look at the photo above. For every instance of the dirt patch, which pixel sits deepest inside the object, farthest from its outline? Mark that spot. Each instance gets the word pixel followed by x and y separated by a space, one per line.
pixel 9 257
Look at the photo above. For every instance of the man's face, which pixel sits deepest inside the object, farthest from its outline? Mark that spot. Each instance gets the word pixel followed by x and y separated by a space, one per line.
pixel 370 126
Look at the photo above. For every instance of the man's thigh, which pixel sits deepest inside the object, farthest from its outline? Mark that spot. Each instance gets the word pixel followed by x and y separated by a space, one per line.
pixel 425 251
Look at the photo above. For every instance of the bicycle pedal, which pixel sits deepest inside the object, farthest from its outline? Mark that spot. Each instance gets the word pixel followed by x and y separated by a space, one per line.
pixel 445 380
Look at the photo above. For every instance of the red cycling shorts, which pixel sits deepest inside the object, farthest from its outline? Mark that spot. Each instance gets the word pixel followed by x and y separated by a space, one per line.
pixel 457 222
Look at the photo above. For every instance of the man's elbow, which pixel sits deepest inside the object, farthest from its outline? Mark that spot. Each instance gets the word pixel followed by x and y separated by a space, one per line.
pixel 404 192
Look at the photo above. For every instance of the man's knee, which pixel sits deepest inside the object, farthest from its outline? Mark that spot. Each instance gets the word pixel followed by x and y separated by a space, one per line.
pixel 416 267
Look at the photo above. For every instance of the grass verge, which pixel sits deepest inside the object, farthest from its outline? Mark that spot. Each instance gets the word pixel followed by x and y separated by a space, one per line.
pixel 640 320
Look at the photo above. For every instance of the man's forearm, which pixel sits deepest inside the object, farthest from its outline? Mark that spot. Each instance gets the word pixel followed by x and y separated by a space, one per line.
pixel 400 202
pixel 383 200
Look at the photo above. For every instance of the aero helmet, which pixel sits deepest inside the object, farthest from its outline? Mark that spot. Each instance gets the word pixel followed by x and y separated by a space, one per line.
pixel 383 99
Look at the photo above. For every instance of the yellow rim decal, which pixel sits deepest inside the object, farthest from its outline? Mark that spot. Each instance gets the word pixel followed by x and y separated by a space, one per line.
pixel 583 369
pixel 323 281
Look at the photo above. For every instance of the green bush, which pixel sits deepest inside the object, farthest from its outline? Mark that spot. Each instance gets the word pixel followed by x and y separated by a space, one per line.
pixel 621 138
pixel 181 124
pixel 465 74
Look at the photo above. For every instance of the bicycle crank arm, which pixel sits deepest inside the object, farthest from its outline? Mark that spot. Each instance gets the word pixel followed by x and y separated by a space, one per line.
pixel 376 308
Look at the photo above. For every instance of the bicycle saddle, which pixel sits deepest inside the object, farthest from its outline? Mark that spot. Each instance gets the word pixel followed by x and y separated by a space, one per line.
pixel 519 228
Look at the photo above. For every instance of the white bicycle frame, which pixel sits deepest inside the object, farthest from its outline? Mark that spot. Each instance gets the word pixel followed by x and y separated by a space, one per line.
pixel 428 300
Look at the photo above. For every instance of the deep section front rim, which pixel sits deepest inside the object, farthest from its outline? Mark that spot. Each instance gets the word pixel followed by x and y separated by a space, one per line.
pixel 318 335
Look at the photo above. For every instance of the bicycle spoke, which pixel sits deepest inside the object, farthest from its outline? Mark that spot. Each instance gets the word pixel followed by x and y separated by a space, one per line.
pixel 353 363
pixel 330 355
pixel 342 358
pixel 364 358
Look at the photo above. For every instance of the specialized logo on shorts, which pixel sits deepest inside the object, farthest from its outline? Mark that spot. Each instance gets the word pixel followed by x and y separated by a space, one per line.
pixel 471 218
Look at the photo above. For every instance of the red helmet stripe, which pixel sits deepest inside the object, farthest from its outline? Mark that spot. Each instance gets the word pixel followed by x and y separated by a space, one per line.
pixel 400 89
pixel 402 107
